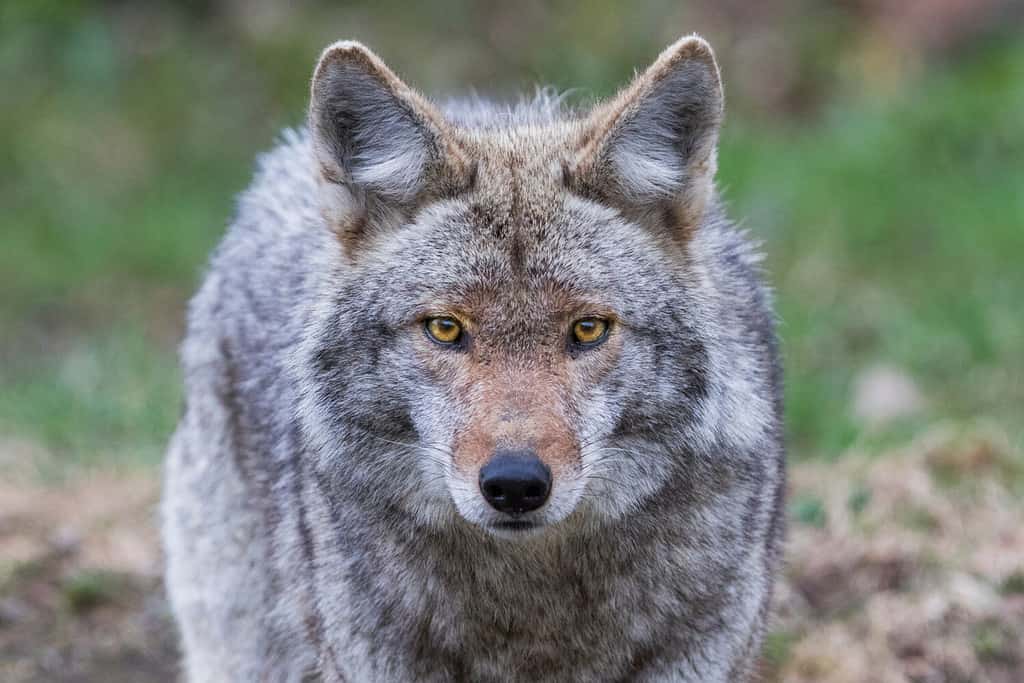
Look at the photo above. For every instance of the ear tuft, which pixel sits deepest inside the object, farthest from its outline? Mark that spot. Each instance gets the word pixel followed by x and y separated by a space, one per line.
pixel 656 141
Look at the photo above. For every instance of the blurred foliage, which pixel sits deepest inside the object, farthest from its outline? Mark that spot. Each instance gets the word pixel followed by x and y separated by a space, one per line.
pixel 808 510
pixel 88 589
pixel 875 153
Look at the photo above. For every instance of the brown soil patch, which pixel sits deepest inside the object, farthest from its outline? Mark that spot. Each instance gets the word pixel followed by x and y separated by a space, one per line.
pixel 905 567
pixel 80 590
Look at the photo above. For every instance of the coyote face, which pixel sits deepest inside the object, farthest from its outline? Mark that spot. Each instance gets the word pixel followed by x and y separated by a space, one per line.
pixel 529 350
pixel 519 311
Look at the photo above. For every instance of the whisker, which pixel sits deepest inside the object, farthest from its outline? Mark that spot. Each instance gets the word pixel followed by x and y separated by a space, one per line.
pixel 426 447
pixel 607 480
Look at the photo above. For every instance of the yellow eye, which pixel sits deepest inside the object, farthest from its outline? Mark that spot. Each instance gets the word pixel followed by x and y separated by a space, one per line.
pixel 589 330
pixel 444 330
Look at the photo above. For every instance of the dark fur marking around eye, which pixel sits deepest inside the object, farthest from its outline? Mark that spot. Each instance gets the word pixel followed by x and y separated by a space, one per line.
pixel 568 178
pixel 471 180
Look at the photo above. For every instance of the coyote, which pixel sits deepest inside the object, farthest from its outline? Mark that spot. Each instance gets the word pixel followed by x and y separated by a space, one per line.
pixel 480 392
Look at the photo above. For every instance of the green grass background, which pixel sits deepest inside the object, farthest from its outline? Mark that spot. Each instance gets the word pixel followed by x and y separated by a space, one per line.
pixel 890 199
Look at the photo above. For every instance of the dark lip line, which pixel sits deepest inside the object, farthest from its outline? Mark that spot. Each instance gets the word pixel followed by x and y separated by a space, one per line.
pixel 515 525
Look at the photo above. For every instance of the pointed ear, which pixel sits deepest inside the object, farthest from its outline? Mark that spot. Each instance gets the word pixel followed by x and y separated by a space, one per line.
pixel 377 141
pixel 654 144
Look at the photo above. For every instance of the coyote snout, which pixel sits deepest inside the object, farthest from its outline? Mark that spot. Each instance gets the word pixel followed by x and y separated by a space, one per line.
pixel 517 446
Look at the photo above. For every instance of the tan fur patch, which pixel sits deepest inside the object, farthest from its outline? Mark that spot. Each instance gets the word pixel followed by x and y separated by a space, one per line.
pixel 516 408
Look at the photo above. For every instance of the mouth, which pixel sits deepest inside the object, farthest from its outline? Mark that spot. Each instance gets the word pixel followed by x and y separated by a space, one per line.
pixel 514 525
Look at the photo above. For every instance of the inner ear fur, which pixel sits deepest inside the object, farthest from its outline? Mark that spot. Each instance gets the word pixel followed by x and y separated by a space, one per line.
pixel 653 146
pixel 380 146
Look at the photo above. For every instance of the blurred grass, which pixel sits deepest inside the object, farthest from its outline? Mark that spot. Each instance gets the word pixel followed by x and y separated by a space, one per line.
pixel 893 221
pixel 895 231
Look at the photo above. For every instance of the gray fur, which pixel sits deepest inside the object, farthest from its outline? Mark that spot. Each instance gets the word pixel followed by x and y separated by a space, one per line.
pixel 320 520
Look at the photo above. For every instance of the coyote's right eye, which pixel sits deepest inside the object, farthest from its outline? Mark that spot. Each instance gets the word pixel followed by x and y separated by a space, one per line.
pixel 590 331
pixel 443 330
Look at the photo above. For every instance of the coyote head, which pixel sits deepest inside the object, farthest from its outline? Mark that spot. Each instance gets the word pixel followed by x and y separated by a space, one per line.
pixel 517 313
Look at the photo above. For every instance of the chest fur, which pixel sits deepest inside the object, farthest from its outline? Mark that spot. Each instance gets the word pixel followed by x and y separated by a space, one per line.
pixel 441 609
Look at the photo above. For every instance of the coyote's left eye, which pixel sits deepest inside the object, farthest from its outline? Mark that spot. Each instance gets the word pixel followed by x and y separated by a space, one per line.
pixel 589 331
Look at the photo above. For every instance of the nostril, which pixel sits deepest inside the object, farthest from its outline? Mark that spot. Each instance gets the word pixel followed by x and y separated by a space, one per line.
pixel 493 491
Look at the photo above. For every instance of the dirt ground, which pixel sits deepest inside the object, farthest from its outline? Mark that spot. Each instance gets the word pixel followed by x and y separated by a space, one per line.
pixel 80 589
pixel 902 567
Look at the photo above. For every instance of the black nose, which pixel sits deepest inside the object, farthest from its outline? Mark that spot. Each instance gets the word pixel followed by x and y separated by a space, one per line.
pixel 515 482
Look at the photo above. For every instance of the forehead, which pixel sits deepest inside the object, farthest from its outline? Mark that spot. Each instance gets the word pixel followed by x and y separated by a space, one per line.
pixel 520 254
pixel 520 242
